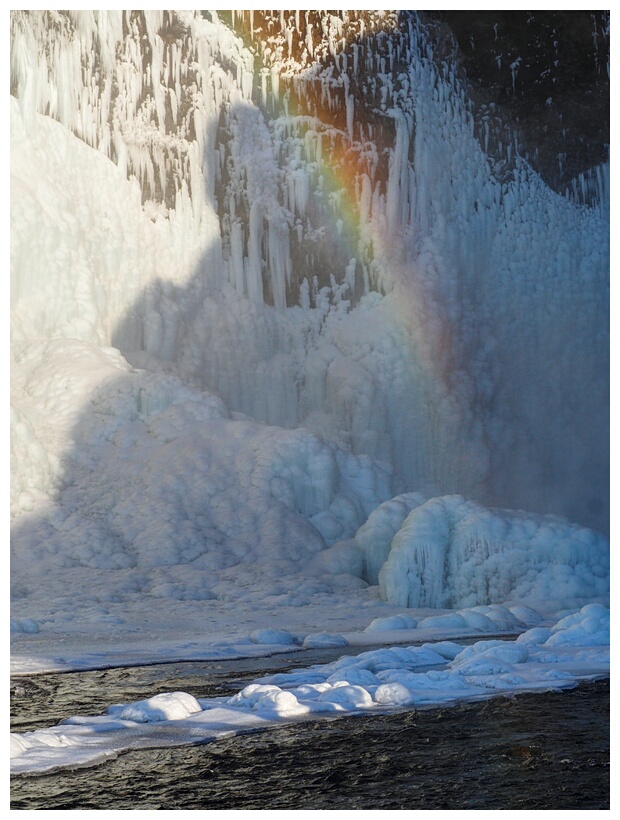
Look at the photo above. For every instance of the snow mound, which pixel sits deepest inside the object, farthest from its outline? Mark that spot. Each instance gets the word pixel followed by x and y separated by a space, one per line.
pixel 394 695
pixel 268 700
pixel 167 706
pixel 402 621
pixel 273 636
pixel 346 696
pixel 322 640
pixel 588 627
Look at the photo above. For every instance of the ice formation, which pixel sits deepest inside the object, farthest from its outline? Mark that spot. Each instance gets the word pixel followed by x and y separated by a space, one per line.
pixel 453 552
pixel 246 313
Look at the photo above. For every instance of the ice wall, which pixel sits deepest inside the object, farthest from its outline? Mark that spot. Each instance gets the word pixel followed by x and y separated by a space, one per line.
pixel 316 236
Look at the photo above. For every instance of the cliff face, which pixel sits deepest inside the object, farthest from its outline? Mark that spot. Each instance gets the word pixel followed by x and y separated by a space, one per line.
pixel 545 75
pixel 538 80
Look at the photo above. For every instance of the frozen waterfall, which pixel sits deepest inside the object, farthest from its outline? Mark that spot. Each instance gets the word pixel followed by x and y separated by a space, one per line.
pixel 258 292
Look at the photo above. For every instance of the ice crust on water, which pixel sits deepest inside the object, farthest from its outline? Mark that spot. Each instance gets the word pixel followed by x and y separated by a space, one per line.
pixel 196 418
pixel 382 679
pixel 273 636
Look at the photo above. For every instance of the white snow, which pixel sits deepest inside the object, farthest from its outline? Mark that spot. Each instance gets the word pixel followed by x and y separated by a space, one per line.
pixel 167 706
pixel 247 382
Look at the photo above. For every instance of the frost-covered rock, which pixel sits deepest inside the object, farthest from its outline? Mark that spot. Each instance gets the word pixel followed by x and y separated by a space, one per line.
pixel 504 651
pixel 451 620
pixel 347 696
pixel 535 636
pixel 525 614
pixel 283 704
pixel 393 694
pixel 588 627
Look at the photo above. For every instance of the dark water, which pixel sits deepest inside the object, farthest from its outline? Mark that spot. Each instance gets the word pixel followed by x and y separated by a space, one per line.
pixel 538 751
pixel 43 700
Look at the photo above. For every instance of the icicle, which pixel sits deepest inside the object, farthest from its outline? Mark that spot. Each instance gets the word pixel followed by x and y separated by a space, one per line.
pixel 350 115
pixel 279 262
pixel 304 295
pixel 398 181
pixel 275 84
pixel 253 262
pixel 236 257
pixel 309 42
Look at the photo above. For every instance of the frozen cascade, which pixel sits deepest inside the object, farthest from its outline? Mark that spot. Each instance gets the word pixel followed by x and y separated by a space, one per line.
pixel 317 238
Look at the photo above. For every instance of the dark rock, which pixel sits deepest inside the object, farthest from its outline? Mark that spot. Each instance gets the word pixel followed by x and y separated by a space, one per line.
pixel 545 76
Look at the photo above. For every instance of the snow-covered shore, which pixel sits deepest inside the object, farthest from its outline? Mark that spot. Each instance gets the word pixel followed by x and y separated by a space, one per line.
pixel 555 657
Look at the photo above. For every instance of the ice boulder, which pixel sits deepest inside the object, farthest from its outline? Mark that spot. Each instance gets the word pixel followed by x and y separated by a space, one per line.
pixel 451 552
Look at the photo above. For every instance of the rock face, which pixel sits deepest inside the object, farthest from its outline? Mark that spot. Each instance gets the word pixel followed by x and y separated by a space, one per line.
pixel 538 80
pixel 543 75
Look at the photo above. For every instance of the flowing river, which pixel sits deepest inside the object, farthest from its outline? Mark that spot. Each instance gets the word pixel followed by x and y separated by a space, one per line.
pixel 534 751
